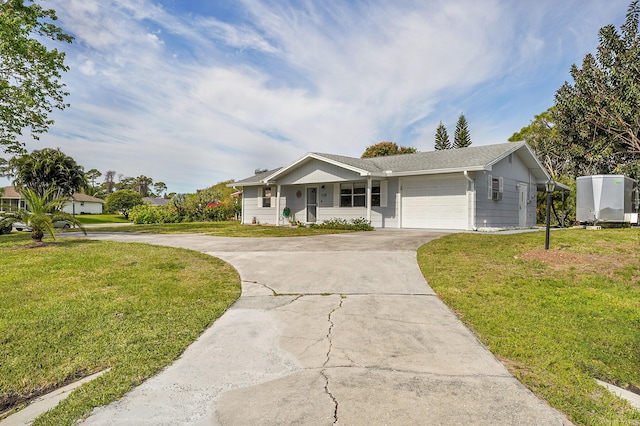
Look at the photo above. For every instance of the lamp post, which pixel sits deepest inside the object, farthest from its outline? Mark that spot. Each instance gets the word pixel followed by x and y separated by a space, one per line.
pixel 550 186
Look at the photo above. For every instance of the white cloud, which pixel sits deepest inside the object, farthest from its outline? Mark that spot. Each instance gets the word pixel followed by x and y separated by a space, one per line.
pixel 194 99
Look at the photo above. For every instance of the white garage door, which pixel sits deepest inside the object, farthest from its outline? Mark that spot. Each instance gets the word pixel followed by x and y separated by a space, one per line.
pixel 436 202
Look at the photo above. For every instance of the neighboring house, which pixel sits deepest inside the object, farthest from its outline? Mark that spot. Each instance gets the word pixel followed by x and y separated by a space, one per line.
pixel 84 204
pixel 156 201
pixel 480 187
pixel 11 200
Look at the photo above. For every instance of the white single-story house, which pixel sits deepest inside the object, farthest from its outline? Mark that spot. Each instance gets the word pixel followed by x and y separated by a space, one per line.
pixel 11 200
pixel 84 204
pixel 479 187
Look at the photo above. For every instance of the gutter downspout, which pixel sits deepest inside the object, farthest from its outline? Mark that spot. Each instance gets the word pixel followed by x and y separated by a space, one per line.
pixel 471 202
pixel 278 205
pixel 369 185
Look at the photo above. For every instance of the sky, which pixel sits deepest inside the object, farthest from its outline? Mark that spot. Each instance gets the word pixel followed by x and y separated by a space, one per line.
pixel 195 92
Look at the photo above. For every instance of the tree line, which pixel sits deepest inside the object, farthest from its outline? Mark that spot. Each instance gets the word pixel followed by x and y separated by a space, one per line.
pixel 462 139
pixel 49 168
pixel 461 136
pixel 594 125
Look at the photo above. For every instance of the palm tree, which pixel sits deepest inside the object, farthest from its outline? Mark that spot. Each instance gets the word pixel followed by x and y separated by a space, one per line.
pixel 43 212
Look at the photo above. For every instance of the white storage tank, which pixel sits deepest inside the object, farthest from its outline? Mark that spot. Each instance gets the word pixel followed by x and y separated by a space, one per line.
pixel 606 198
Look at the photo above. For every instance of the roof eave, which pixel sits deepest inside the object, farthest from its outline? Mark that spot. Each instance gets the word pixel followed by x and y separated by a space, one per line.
pixel 516 147
pixel 272 178
pixel 437 171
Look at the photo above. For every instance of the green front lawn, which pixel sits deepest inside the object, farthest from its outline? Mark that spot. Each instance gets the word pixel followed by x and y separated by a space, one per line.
pixel 221 229
pixel 557 318
pixel 76 307
pixel 88 219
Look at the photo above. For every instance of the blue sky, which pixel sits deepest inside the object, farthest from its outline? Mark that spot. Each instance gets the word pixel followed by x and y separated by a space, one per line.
pixel 196 92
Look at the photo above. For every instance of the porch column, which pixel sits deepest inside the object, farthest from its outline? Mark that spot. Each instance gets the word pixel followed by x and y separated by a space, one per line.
pixel 471 202
pixel 369 186
pixel 278 206
pixel 242 221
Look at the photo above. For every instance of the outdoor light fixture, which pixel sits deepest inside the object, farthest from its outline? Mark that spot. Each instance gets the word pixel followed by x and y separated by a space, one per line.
pixel 550 186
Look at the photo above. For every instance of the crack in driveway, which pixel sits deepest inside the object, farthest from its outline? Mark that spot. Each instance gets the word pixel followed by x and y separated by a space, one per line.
pixel 273 291
pixel 324 372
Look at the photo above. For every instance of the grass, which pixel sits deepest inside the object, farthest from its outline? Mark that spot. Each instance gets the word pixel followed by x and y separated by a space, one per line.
pixel 90 219
pixel 557 318
pixel 221 229
pixel 75 307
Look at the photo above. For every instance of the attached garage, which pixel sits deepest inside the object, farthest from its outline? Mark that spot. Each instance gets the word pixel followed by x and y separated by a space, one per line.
pixel 484 187
pixel 435 202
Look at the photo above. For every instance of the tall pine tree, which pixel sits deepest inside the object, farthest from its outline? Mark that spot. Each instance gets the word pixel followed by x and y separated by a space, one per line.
pixel 442 138
pixel 461 138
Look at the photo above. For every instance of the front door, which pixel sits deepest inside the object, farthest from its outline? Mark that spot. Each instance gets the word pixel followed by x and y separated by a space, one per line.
pixel 522 205
pixel 312 205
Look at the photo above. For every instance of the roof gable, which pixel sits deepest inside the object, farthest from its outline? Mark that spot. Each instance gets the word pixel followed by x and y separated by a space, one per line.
pixel 78 196
pixel 12 192
pixel 473 158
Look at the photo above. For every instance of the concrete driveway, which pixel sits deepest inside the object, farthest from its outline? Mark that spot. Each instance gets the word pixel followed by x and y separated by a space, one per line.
pixel 336 329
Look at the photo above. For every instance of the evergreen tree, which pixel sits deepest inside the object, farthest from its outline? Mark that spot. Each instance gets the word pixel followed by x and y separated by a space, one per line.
pixel 461 138
pixel 442 138
pixel 597 115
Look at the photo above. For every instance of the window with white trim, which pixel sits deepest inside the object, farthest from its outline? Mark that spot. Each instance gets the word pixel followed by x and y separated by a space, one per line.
pixel 353 194
pixel 266 196
pixel 496 188
pixel 375 193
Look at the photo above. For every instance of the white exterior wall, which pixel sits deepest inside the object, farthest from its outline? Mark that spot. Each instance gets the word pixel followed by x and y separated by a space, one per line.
pixel 444 201
pixel 317 173
pixel 328 205
pixel 252 210
pixel 83 207
pixel 381 217
pixel 435 202
pixel 505 213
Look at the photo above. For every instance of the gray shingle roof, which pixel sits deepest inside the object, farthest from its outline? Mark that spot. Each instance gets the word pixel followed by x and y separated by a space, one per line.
pixel 474 157
pixel 461 158
pixel 256 178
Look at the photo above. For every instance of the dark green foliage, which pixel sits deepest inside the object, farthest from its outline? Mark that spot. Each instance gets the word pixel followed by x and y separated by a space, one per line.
pixel 122 202
pixel 461 137
pixel 144 214
pixel 30 73
pixel 543 138
pixel 598 116
pixel 359 224
pixel 442 138
pixel 212 204
pixel 47 171
pixel 383 149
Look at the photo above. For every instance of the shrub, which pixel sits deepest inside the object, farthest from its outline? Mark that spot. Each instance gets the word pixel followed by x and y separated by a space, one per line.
pixel 358 224
pixel 147 214
pixel 174 213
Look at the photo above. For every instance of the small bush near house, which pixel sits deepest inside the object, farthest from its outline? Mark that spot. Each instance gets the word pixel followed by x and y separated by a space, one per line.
pixel 173 213
pixel 146 214
pixel 212 211
pixel 359 224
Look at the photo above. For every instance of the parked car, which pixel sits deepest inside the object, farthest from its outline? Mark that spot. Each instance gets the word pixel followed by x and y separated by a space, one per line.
pixel 61 224
pixel 4 229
